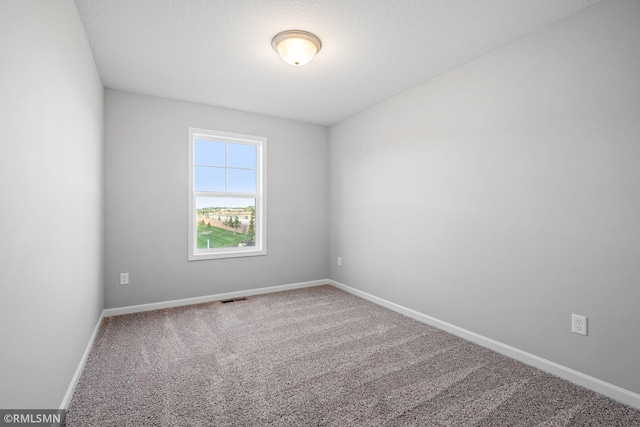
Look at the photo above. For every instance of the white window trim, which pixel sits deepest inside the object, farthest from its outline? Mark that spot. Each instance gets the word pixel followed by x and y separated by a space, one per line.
pixel 260 248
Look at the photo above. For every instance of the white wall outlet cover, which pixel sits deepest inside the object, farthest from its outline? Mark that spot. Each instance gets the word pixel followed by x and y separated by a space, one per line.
pixel 124 278
pixel 578 324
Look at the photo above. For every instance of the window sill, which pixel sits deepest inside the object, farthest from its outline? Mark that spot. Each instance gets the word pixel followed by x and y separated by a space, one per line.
pixel 227 254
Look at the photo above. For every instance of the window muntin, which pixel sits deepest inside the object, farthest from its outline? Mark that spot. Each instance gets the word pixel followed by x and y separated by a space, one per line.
pixel 226 195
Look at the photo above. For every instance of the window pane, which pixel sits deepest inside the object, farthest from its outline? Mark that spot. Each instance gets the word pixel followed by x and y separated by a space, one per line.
pixel 242 181
pixel 210 152
pixel 225 222
pixel 210 179
pixel 242 156
pixel 226 195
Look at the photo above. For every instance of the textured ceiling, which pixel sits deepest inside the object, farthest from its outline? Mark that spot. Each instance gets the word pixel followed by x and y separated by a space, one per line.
pixel 218 52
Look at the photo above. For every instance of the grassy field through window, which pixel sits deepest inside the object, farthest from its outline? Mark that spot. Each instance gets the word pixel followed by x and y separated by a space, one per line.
pixel 215 237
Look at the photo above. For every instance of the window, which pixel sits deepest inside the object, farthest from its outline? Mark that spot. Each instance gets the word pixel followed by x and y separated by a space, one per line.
pixel 227 203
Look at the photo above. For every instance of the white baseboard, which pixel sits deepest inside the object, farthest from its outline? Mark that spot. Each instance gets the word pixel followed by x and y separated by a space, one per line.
pixel 208 298
pixel 610 390
pixel 66 400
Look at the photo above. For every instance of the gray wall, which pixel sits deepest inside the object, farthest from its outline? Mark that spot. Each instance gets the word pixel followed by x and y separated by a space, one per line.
pixel 51 293
pixel 504 195
pixel 146 202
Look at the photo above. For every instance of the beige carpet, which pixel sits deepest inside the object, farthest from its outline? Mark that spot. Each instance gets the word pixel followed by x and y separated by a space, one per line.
pixel 314 357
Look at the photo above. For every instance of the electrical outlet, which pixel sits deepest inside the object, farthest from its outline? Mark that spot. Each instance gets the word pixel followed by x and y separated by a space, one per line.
pixel 578 324
pixel 339 260
pixel 124 278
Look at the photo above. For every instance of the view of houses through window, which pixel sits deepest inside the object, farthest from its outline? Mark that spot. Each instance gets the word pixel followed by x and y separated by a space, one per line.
pixel 225 226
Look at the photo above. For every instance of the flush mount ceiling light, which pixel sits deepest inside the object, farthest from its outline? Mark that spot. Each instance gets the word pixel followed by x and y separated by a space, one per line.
pixel 296 47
